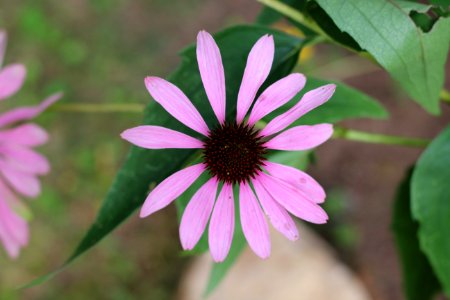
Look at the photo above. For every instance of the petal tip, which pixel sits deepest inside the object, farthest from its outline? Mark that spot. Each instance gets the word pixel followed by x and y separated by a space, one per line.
pixel 145 211
pixel 218 258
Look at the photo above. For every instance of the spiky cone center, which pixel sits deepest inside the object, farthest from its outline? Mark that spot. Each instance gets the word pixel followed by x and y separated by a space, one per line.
pixel 234 153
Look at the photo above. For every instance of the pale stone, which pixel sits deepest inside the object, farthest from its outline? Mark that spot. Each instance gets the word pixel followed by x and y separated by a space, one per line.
pixel 305 269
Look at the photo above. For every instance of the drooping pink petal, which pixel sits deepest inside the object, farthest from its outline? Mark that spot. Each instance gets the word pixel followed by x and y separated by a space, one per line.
pixel 309 101
pixel 170 189
pixel 3 41
pixel 197 213
pixel 156 137
pixel 258 66
pixel 278 216
pixel 302 181
pixel 11 199
pixel 26 113
pixel 24 183
pixel 221 226
pixel 24 159
pixel 254 224
pixel 11 80
pixel 212 73
pixel 176 103
pixel 276 95
pixel 12 220
pixel 302 137
pixel 293 201
pixel 30 135
pixel 13 230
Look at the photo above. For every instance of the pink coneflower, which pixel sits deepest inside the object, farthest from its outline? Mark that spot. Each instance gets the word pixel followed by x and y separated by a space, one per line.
pixel 19 163
pixel 234 153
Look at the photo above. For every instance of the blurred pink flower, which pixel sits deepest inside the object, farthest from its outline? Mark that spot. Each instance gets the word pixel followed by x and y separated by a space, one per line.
pixel 19 163
pixel 234 153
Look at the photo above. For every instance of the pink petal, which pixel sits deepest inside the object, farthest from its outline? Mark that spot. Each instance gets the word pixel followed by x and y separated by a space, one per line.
pixel 3 40
pixel 24 159
pixel 10 198
pixel 156 137
pixel 256 71
pixel 309 101
pixel 170 189
pixel 26 113
pixel 254 224
pixel 26 135
pixel 13 230
pixel 278 216
pixel 276 95
pixel 24 183
pixel 197 213
pixel 176 103
pixel 221 226
pixel 13 224
pixel 212 73
pixel 292 200
pixel 300 180
pixel 11 80
pixel 301 137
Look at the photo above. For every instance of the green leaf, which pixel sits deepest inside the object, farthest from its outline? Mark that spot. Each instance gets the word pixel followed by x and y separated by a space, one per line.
pixel 419 280
pixel 430 192
pixel 413 58
pixel 346 103
pixel 327 24
pixel 144 168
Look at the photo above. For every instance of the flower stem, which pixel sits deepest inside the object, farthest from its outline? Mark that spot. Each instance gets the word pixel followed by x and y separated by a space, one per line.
pixel 361 136
pixel 99 108
pixel 295 15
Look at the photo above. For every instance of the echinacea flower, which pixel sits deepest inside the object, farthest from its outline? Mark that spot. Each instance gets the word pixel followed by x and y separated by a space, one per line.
pixel 234 154
pixel 19 163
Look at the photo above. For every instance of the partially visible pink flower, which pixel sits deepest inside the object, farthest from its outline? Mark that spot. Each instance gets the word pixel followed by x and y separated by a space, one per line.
pixel 234 153
pixel 20 164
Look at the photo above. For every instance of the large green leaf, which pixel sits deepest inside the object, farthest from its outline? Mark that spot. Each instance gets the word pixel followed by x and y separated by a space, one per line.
pixel 419 280
pixel 144 168
pixel 346 103
pixel 413 58
pixel 430 192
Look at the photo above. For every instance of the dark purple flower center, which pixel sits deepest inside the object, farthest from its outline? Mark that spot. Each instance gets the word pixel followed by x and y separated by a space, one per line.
pixel 234 153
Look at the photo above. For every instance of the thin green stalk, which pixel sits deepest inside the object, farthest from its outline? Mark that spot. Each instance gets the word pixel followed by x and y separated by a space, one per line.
pixel 99 108
pixel 295 15
pixel 339 132
pixel 375 138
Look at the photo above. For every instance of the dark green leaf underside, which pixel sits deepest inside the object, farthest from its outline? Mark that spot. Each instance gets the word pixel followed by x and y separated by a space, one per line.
pixel 419 280
pixel 430 192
